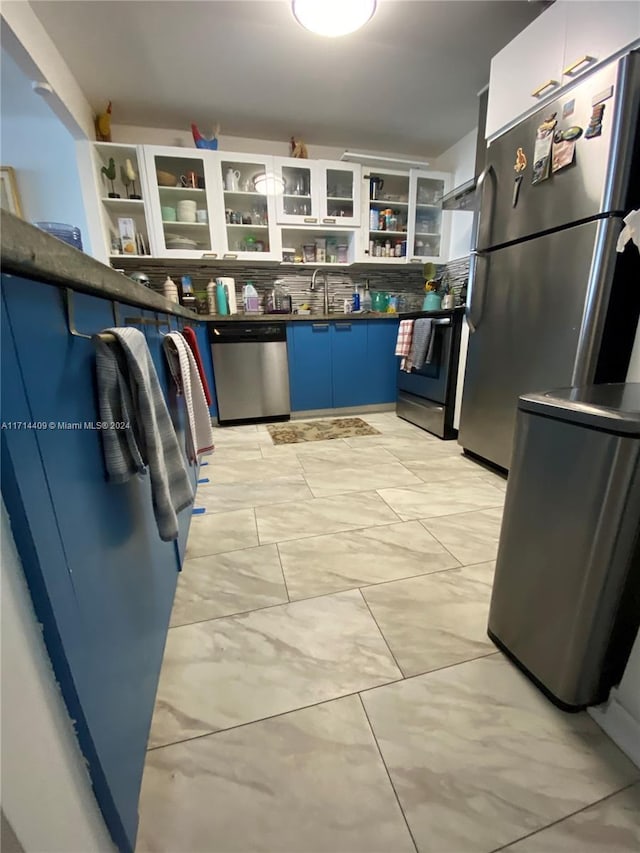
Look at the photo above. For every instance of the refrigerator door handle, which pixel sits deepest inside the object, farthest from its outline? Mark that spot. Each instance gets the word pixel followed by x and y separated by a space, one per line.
pixel 483 235
pixel 478 264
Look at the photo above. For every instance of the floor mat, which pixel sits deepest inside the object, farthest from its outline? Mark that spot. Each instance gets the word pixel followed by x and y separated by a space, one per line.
pixel 294 433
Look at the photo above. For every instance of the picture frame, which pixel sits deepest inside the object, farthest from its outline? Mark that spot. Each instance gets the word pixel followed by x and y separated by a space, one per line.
pixel 9 195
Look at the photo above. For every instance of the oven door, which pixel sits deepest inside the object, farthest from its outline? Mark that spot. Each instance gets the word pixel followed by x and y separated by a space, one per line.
pixel 430 382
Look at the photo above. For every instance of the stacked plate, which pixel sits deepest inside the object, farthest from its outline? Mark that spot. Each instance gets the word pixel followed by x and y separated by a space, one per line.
pixel 67 233
pixel 175 241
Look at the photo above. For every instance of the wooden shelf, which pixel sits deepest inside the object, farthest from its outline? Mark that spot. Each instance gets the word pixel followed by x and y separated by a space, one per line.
pixel 185 190
pixel 253 193
pixel 386 203
pixel 294 195
pixel 177 224
pixel 389 233
pixel 430 206
pixel 254 227
pixel 332 198
pixel 427 234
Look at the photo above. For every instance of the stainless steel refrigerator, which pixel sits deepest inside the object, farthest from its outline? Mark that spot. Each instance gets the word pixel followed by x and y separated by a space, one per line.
pixel 551 304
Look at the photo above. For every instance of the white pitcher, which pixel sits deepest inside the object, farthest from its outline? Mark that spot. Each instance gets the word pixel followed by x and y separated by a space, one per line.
pixel 231 178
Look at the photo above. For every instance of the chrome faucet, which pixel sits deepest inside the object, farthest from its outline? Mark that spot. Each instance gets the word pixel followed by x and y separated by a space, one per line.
pixel 326 286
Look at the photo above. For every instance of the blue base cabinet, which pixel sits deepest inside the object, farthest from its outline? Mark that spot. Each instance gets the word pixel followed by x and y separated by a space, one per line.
pixel 310 379
pixel 349 368
pixel 382 363
pixel 101 579
pixel 342 363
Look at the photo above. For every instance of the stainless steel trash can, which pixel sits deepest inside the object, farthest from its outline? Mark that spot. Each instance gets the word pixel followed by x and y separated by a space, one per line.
pixel 566 596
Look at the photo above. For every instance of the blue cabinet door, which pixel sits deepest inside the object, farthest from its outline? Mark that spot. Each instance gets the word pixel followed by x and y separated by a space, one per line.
pixel 349 363
pixel 309 351
pixel 382 362
pixel 202 334
pixel 120 576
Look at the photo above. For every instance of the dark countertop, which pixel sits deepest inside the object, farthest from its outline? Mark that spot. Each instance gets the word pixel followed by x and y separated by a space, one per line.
pixel 32 253
pixel 323 318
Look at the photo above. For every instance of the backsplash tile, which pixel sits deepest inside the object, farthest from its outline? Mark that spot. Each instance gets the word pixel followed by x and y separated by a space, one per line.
pixel 406 282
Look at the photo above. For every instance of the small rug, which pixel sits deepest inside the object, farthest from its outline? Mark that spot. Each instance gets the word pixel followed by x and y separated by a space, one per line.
pixel 294 433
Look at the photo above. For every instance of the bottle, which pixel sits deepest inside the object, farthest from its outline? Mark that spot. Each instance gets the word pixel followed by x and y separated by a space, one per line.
pixel 387 249
pixel 170 290
pixel 374 220
pixel 221 298
pixel 366 299
pixel 211 296
pixel 355 300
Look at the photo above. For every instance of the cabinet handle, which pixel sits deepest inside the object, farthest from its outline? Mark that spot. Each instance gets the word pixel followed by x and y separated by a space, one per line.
pixel 571 70
pixel 550 84
pixel 319 325
pixel 311 219
pixel 415 260
pixel 343 326
pixel 230 256
pixel 329 220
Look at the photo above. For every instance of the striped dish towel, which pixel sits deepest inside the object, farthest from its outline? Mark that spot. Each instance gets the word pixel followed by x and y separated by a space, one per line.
pixel 403 343
pixel 185 373
pixel 129 391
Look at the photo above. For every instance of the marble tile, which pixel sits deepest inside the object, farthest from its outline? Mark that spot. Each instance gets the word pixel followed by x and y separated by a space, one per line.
pixel 612 825
pixel 223 584
pixel 496 480
pixel 310 780
pixel 322 515
pixel 336 479
pixel 249 470
pixel 230 496
pixel 278 451
pixel 417 443
pixel 220 532
pixel 479 757
pixel 238 669
pixel 445 498
pixel 228 452
pixel 322 564
pixel 349 457
pixel 472 537
pixel 421 448
pixel 435 620
pixel 437 468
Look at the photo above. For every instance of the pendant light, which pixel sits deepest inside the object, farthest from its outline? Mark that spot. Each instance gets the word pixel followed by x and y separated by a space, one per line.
pixel 333 18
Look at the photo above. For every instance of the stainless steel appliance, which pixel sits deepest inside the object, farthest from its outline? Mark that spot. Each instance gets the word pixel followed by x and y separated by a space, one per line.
pixel 251 371
pixel 566 594
pixel 426 397
pixel 550 302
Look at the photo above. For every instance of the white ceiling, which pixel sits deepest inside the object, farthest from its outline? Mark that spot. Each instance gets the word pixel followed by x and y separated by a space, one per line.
pixel 406 83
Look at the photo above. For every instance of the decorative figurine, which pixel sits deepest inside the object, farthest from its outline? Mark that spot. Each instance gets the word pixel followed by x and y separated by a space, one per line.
pixel 298 149
pixel 201 141
pixel 132 175
pixel 103 125
pixel 110 174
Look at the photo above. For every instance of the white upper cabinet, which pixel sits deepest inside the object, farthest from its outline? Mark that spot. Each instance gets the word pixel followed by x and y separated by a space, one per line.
pixel 244 195
pixel 596 31
pixel 568 39
pixel 298 202
pixel 527 70
pixel 317 192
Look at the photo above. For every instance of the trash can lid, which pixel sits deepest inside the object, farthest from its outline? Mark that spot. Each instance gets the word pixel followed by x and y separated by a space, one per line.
pixel 614 407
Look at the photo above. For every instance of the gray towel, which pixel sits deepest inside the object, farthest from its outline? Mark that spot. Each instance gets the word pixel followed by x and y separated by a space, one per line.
pixel 129 391
pixel 421 343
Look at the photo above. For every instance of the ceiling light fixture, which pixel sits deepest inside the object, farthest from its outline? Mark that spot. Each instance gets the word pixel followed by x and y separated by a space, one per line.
pixel 333 18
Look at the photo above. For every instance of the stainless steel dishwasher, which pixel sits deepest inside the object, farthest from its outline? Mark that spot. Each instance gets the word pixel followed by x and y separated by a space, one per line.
pixel 251 371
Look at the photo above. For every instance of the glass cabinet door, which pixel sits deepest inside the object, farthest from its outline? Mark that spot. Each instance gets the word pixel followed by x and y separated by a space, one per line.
pixel 340 193
pixel 427 224
pixel 178 182
pixel 248 189
pixel 387 211
pixel 297 198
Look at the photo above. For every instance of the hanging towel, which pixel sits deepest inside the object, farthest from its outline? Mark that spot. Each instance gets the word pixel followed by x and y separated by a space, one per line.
pixel 185 373
pixel 129 391
pixel 190 337
pixel 421 344
pixel 403 343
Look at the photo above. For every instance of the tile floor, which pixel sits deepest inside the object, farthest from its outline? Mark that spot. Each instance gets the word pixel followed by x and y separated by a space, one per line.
pixel 328 685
